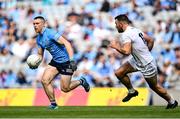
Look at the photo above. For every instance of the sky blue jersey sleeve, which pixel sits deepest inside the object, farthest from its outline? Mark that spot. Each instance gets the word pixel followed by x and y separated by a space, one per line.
pixel 54 35
pixel 38 43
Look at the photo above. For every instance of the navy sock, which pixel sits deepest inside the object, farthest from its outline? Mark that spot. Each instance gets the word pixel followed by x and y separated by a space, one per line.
pixel 53 103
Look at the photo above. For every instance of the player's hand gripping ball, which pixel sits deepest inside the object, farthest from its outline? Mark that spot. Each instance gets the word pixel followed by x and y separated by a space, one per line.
pixel 34 61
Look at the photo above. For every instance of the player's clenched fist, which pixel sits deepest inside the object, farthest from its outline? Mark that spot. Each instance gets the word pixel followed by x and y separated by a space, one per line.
pixel 73 65
pixel 114 44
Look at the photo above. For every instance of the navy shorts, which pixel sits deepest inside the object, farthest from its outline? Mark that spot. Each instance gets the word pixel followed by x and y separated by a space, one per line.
pixel 63 68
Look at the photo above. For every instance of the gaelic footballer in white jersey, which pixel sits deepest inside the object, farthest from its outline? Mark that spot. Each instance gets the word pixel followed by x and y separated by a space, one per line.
pixel 141 60
pixel 137 44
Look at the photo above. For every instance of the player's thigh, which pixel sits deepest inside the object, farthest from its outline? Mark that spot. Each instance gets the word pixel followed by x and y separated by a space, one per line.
pixel 152 81
pixel 65 81
pixel 125 69
pixel 49 74
pixel 150 74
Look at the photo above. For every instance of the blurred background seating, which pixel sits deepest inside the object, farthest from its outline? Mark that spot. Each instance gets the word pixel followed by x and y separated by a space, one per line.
pixel 88 24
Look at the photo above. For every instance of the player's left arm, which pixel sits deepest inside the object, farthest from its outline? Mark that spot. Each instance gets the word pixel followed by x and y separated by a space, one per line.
pixel 149 40
pixel 124 48
pixel 63 41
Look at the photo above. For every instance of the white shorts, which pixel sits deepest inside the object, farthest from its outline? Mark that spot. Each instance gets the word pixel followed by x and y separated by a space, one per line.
pixel 148 70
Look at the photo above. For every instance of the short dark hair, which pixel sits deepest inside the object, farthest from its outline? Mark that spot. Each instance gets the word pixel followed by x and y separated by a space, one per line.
pixel 123 17
pixel 40 17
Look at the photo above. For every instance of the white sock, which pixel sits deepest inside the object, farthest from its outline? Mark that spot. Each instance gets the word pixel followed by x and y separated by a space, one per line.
pixel 131 90
pixel 171 101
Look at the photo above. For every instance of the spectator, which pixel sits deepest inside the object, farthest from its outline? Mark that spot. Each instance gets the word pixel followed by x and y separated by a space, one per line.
pixel 10 80
pixel 105 6
pixel 21 79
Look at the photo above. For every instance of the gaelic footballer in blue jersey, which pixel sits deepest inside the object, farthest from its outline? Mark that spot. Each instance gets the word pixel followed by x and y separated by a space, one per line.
pixel 62 60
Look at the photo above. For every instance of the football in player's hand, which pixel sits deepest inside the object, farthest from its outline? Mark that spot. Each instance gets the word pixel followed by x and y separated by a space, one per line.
pixel 34 61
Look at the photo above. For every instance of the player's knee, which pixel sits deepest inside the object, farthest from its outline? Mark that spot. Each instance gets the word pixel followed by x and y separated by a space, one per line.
pixel 65 89
pixel 119 74
pixel 44 81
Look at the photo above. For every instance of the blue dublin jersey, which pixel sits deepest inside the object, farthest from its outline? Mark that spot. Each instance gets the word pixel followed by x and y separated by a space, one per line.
pixel 48 40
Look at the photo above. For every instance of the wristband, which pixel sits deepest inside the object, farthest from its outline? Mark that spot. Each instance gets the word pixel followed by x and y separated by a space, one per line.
pixel 71 59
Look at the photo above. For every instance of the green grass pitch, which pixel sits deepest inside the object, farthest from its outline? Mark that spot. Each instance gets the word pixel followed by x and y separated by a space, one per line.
pixel 90 112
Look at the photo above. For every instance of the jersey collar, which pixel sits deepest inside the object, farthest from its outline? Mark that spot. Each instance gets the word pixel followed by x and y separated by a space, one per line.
pixel 128 27
pixel 43 30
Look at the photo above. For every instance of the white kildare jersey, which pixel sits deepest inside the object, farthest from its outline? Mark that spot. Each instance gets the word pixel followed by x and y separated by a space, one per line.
pixel 140 51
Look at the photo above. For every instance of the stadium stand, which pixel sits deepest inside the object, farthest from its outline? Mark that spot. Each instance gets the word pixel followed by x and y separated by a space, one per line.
pixel 88 24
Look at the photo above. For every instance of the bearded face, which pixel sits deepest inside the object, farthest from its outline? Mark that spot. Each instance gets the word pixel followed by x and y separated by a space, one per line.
pixel 119 26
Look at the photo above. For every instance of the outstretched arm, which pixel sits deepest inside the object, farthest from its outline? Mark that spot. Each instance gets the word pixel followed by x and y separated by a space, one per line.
pixel 125 48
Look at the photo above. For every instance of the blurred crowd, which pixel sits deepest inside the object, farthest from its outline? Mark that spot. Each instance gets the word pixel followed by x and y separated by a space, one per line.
pixel 89 26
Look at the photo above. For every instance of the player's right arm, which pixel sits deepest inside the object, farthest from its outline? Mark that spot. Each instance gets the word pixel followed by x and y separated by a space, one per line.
pixel 124 49
pixel 40 52
pixel 149 40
